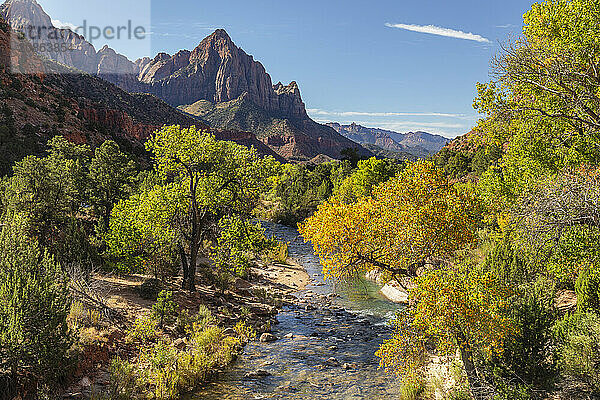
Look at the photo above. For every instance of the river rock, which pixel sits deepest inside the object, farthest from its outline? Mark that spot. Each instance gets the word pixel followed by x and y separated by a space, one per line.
pixel 332 362
pixel 267 337
pixel 85 382
pixel 258 374
pixel 179 344
pixel 375 275
pixel 394 292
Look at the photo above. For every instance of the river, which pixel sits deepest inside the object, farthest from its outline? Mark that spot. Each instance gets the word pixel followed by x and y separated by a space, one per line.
pixel 348 327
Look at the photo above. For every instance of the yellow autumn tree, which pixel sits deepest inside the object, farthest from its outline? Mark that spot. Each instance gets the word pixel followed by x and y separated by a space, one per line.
pixel 416 217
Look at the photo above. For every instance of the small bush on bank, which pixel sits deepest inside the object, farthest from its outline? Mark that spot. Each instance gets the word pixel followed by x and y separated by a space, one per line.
pixel 144 330
pixel 163 372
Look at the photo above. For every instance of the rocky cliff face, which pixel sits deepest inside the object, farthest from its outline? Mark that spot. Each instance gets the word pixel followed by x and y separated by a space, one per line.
pixel 28 17
pixel 298 139
pixel 218 71
pixel 81 107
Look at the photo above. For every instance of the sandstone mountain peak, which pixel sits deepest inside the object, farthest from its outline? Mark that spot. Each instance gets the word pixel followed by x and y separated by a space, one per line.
pixel 219 34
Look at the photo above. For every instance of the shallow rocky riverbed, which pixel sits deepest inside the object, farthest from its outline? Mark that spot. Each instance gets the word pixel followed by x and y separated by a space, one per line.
pixel 325 347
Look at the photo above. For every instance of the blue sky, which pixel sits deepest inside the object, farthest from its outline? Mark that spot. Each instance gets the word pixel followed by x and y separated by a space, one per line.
pixel 401 65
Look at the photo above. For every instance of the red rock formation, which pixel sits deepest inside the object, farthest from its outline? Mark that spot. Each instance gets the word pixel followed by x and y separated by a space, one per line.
pixel 219 71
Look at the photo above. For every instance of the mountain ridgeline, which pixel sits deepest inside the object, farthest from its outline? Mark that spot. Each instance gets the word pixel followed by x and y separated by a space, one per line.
pixel 417 144
pixel 216 81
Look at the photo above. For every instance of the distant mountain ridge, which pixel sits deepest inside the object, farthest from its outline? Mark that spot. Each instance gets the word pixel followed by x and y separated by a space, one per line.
pixel 420 144
pixel 216 71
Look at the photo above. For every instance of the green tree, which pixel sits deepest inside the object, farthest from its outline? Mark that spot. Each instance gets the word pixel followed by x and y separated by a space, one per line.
pixel 544 105
pixel 142 234
pixel 34 304
pixel 49 191
pixel 164 308
pixel 239 242
pixel 369 173
pixel 110 179
pixel 206 180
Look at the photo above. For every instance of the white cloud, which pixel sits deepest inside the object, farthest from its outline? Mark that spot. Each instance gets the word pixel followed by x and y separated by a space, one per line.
pixel 317 111
pixel 436 128
pixel 438 30
pixel 404 125
pixel 64 25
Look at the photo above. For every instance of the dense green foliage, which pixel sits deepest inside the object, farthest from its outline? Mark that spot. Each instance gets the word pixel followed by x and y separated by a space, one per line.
pixel 34 304
pixel 300 189
pixel 460 163
pixel 202 183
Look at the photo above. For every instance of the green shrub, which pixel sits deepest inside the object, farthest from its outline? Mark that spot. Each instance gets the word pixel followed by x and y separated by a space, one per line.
pixel 279 253
pixel 123 380
pixel 164 309
pixel 244 331
pixel 34 306
pixel 163 372
pixel 413 388
pixel 528 354
pixel 587 288
pixel 579 352
pixel 184 321
pixel 144 330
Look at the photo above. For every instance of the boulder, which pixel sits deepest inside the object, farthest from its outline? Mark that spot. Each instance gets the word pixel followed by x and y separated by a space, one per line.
pixel 394 292
pixel 267 337
pixel 332 362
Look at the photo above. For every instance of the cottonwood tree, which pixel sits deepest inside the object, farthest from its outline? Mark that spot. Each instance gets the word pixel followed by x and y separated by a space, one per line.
pixel 543 105
pixel 205 181
pixel 410 219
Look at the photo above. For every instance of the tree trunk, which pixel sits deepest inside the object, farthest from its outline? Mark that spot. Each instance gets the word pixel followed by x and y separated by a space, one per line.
pixel 106 218
pixel 184 266
pixel 466 355
pixel 192 268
